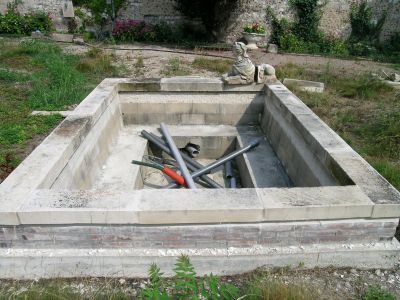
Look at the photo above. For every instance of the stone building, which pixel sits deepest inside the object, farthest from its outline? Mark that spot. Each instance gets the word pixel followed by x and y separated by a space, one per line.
pixel 334 22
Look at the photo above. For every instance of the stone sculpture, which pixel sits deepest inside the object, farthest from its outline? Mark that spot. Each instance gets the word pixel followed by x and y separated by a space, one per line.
pixel 243 69
pixel 266 74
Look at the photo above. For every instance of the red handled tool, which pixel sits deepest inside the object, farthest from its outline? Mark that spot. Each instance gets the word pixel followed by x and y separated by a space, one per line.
pixel 167 171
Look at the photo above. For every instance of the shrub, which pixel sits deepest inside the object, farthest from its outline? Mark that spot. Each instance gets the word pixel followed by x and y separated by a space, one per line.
pixel 308 17
pixel 15 23
pixel 100 9
pixel 134 30
pixel 363 27
pixel 295 37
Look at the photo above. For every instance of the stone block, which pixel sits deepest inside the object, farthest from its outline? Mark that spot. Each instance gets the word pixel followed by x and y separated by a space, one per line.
pixel 37 35
pixel 386 211
pixel 191 84
pixel 322 203
pixel 62 37
pixel 78 41
pixel 204 206
pixel 68 9
pixel 272 48
pixel 305 85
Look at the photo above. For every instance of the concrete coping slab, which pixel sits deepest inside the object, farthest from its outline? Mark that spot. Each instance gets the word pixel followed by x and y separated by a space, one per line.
pixel 185 84
pixel 194 207
pixel 305 85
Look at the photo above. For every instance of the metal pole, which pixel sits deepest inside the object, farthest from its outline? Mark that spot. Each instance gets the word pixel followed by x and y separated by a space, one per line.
pixel 229 175
pixel 178 157
pixel 228 170
pixel 220 161
pixel 233 182
pixel 192 164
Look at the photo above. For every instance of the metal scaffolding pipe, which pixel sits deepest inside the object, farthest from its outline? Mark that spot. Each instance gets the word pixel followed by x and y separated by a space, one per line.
pixel 220 161
pixel 178 157
pixel 192 164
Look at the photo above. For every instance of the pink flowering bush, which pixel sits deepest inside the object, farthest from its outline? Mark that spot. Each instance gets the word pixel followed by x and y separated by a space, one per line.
pixel 133 30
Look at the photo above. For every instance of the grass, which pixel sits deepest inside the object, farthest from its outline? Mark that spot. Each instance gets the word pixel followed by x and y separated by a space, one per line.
pixel 139 66
pixel 360 108
pixel 219 66
pixel 64 289
pixel 174 67
pixel 38 75
pixel 268 284
pixel 377 293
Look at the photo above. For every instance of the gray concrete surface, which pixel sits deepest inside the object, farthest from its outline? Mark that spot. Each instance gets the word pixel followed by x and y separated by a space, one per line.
pixel 50 263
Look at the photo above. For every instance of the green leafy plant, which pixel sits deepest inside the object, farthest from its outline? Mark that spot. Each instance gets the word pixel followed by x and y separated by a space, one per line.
pixel 155 289
pixel 102 10
pixel 303 35
pixel 307 21
pixel 15 23
pixel 363 27
pixel 185 285
pixel 376 293
pixel 254 28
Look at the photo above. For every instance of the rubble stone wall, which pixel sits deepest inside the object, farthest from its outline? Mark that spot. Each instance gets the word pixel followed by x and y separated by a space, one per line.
pixel 334 22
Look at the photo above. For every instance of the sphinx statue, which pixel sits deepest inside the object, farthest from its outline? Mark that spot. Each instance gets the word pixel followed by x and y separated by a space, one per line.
pixel 243 69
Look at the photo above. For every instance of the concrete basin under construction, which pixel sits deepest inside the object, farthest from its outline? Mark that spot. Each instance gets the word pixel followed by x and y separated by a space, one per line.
pixel 77 206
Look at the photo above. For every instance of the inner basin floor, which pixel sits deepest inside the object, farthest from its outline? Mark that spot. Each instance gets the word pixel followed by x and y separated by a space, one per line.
pixel 262 165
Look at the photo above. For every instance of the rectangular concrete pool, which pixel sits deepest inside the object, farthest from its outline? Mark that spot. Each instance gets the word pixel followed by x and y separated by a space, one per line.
pixel 77 206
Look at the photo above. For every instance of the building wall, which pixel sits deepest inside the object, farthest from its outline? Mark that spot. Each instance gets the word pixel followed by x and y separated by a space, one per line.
pixel 52 7
pixel 334 21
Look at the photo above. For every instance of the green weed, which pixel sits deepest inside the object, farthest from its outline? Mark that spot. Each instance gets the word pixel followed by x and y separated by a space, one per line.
pixel 139 66
pixel 10 76
pixel 377 293
pixel 185 285
pixel 174 67
pixel 57 85
pixel 290 70
pixel 219 66
pixel 55 80
pixel 363 87
pixel 97 64
pixel 268 288
pixel 388 169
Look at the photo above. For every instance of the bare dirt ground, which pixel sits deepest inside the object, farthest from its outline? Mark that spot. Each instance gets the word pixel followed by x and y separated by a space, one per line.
pixel 156 57
pixel 326 283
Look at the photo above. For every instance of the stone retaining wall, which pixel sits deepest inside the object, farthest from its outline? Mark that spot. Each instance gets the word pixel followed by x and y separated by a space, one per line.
pixel 334 22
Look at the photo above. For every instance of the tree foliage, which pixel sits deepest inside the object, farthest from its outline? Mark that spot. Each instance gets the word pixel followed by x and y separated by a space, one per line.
pixel 100 10
pixel 363 27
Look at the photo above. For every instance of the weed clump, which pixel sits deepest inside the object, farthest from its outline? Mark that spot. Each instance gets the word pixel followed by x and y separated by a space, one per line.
pixel 219 66
pixel 174 67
